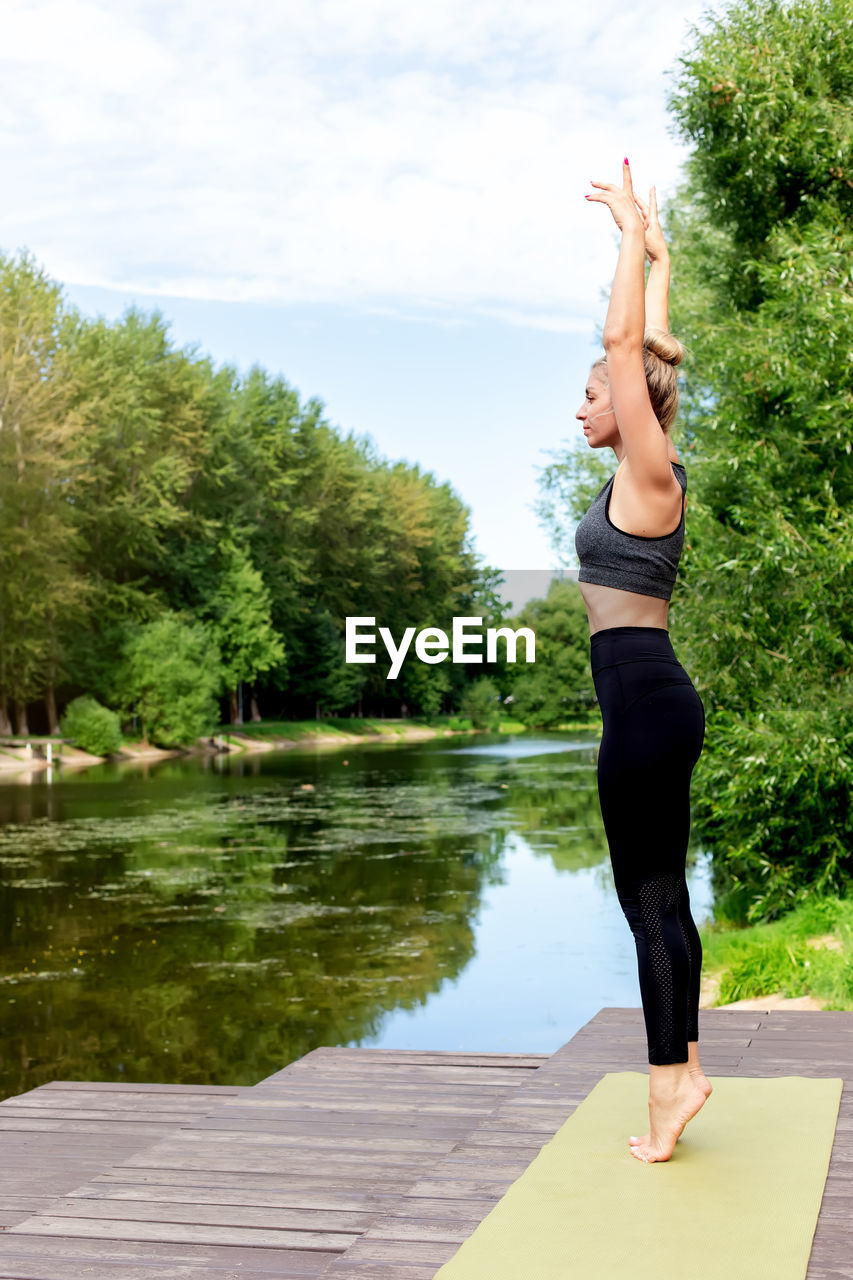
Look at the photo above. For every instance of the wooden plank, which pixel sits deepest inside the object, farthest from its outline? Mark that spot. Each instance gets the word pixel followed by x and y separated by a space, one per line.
pixel 244 1193
pixel 377 1181
pixel 331 1089
pixel 442 1056
pixel 421 1252
pixel 322 1094
pixel 59 1254
pixel 462 1071
pixel 224 1214
pixel 50 1124
pixel 636 1040
pixel 292 1161
pixel 107 1116
pixel 362 1128
pixel 837 1207
pixel 179 1233
pixel 398 1270
pixel 484 1187
pixel 210 1145
pixel 43 1269
pixel 482 1140
pixel 708 1018
pixel 416 1230
pixel 108 1099
pixel 440 1107
pixel 216 1091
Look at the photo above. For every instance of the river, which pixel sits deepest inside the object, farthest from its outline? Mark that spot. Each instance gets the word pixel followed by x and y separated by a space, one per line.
pixel 209 920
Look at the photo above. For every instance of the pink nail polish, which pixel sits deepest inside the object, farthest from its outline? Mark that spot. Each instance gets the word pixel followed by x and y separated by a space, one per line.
pixel 626 159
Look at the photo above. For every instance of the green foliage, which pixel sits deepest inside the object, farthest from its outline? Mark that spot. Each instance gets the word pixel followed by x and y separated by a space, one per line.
pixel 241 623
pixel 559 686
pixel 170 679
pixel 775 803
pixel 333 684
pixel 92 727
pixel 765 96
pixel 137 480
pixel 809 951
pixel 762 240
pixel 41 587
pixel 481 703
pixel 143 409
pixel 458 723
pixel 428 686
pixel 567 486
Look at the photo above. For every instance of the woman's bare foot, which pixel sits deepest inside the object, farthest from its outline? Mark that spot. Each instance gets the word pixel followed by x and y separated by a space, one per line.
pixel 695 1069
pixel 675 1096
pixel 697 1075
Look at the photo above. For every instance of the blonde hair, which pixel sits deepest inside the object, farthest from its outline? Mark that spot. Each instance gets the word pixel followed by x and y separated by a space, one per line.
pixel 662 353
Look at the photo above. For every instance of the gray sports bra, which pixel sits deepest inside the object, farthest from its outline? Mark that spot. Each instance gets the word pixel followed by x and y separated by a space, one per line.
pixel 629 561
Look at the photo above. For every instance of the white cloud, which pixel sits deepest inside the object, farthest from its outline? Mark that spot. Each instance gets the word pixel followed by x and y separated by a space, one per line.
pixel 370 152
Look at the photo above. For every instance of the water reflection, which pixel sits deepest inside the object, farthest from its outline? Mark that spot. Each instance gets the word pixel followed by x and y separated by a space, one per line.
pixel 210 921
pixel 517 748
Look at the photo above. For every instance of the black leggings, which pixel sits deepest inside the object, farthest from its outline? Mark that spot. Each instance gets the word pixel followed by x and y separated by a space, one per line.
pixel 653 731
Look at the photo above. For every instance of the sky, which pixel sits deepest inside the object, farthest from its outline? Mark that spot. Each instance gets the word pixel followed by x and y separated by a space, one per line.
pixel 379 199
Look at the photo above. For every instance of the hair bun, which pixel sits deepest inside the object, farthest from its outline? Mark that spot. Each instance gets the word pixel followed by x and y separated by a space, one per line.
pixel 664 345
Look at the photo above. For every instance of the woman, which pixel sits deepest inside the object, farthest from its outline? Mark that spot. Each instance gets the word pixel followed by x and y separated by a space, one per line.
pixel 628 547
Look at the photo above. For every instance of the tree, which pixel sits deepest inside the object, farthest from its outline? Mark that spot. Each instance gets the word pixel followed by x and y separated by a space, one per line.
pixel 137 482
pixel 40 587
pixel 254 490
pixel 144 411
pixel 170 679
pixel 241 626
pixel 762 241
pixel 559 686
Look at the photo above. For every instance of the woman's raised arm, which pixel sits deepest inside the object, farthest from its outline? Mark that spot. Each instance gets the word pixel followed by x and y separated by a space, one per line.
pixel 657 286
pixel 643 439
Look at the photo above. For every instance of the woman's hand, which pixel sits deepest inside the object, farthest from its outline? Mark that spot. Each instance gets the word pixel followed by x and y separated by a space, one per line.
pixel 620 200
pixel 655 243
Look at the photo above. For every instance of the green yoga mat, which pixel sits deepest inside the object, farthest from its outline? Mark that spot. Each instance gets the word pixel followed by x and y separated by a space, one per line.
pixel 738 1200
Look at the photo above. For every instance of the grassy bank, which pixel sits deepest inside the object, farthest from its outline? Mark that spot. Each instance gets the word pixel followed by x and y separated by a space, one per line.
pixel 809 951
pixel 347 728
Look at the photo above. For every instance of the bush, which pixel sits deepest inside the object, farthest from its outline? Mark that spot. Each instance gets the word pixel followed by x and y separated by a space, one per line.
pixel 170 678
pixel 481 703
pixel 92 727
pixel 773 800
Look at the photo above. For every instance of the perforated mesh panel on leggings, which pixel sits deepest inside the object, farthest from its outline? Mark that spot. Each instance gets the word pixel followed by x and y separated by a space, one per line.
pixel 669 959
pixel 653 731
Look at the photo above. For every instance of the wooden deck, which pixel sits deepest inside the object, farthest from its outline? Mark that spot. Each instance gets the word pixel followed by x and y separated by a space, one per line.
pixel 351 1164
